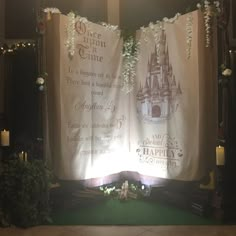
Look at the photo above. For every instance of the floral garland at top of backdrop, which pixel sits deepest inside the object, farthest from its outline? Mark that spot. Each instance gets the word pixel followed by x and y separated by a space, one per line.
pixel 210 10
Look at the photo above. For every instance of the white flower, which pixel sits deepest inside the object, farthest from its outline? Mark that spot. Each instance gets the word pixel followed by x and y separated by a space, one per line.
pixel 41 88
pixel 173 19
pixel 70 42
pixel 83 19
pixel 143 29
pixel 189 34
pixel 151 25
pixel 51 10
pixel 111 27
pixel 199 6
pixel 40 80
pixel 71 14
pixel 165 19
pixel 208 20
pixel 227 72
pixel 217 3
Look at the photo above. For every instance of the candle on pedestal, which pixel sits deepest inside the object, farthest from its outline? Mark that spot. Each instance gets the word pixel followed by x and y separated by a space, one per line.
pixel 26 157
pixel 5 138
pixel 220 156
pixel 21 156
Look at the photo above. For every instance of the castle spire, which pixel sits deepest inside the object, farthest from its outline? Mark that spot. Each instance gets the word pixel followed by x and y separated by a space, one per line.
pixel 179 91
pixel 167 56
pixel 173 84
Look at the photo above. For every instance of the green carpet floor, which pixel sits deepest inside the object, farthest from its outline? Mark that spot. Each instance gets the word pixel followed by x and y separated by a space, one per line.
pixel 130 212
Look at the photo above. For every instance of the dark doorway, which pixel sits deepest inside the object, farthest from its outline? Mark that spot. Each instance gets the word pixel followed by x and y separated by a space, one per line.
pixel 156 111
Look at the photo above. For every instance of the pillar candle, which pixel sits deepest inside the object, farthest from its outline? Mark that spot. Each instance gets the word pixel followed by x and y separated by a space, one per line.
pixel 26 157
pixel 220 156
pixel 21 156
pixel 5 138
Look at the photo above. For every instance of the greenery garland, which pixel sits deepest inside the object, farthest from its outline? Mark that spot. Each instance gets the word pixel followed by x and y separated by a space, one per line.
pixel 24 188
pixel 210 10
pixel 130 58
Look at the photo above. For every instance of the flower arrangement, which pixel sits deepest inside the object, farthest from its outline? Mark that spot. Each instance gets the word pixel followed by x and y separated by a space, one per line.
pixel 126 190
pixel 225 71
pixel 173 19
pixel 51 10
pixel 40 82
pixel 210 10
pixel 111 27
pixel 189 34
pixel 130 58
pixel 224 74
pixel 70 42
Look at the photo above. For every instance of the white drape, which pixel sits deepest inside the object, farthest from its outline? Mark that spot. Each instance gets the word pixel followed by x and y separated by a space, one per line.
pixel 165 128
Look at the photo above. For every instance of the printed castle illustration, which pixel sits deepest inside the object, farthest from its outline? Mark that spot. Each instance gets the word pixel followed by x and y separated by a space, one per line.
pixel 157 97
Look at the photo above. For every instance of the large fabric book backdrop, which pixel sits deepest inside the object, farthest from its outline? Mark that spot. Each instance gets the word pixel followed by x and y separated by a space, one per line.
pixel 164 128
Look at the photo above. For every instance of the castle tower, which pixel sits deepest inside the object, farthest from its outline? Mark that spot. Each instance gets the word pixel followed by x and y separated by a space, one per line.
pixel 155 87
pixel 157 99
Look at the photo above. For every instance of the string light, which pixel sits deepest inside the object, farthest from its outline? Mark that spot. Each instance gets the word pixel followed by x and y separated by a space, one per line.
pixel 10 48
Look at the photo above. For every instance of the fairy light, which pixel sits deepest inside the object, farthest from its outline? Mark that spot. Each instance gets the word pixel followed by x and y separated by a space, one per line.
pixel 13 47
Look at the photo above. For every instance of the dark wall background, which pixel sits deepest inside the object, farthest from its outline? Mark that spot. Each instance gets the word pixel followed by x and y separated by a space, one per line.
pixel 22 102
pixel 94 10
pixel 21 14
pixel 24 93
pixel 20 19
pixel 137 13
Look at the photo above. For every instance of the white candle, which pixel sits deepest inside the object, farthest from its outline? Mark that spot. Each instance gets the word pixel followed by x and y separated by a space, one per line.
pixel 5 138
pixel 21 156
pixel 220 156
pixel 26 157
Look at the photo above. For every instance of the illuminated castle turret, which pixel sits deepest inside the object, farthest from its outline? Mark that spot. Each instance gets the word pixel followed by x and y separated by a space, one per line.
pixel 157 98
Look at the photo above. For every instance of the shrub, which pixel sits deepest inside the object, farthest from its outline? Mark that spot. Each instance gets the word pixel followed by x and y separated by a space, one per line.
pixel 24 193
